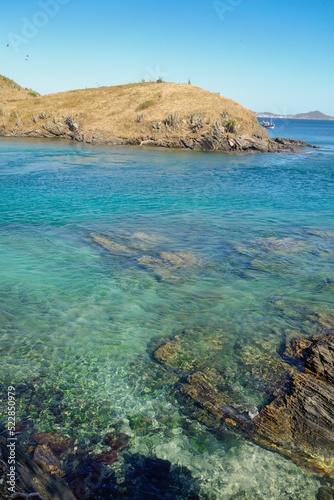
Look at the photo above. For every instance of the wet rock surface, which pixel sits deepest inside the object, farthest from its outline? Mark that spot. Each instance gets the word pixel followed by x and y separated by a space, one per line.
pixel 300 423
pixel 56 442
pixel 299 420
pixel 292 142
pixel 31 478
pixel 44 457
pixel 320 359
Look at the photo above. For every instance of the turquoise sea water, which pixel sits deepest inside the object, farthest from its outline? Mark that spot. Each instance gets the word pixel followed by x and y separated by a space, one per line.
pixel 78 320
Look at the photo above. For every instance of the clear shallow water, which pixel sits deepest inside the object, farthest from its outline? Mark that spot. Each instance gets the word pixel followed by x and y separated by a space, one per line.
pixel 77 319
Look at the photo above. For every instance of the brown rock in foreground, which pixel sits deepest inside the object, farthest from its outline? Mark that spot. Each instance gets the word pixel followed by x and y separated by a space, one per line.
pixel 301 423
pixel 298 423
pixel 56 442
pixel 30 478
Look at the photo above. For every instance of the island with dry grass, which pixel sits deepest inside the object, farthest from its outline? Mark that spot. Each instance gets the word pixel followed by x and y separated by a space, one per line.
pixel 151 114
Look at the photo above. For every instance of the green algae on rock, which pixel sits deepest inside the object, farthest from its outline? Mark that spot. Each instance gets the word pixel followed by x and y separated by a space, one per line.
pixel 191 349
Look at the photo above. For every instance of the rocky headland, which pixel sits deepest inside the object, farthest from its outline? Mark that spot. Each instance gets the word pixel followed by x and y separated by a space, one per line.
pixel 147 114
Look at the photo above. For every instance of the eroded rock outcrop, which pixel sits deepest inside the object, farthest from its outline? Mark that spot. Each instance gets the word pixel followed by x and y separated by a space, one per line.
pixel 298 422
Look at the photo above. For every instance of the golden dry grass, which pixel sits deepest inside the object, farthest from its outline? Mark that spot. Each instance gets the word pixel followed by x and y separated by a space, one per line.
pixel 11 92
pixel 113 111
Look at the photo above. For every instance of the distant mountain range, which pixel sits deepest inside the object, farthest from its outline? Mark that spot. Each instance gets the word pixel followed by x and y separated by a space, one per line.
pixel 311 115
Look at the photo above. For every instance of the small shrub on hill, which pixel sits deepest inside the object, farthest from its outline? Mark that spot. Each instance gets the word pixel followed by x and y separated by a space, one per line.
pixel 230 126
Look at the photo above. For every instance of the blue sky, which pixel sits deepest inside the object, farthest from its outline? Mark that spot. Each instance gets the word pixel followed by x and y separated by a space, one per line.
pixel 269 56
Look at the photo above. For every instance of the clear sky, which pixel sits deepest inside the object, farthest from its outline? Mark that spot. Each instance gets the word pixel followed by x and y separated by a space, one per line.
pixel 268 55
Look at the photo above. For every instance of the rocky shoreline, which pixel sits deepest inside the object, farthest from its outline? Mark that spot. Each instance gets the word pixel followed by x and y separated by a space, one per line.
pixel 214 139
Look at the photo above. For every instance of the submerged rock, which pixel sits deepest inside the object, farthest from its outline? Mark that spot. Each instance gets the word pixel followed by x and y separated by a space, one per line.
pixel 179 259
pixel 212 405
pixel 56 442
pixel 166 263
pixel 107 457
pixel 278 244
pixel 298 422
pixel 111 246
pixel 321 234
pixel 44 457
pixel 117 441
pixel 192 350
pixel 325 493
pixel 297 348
pixel 170 260
pixel 168 354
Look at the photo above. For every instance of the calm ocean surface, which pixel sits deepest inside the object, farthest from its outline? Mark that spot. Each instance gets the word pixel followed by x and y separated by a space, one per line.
pixel 77 320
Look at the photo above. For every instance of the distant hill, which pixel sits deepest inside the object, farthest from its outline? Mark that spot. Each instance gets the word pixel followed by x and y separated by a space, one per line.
pixel 311 115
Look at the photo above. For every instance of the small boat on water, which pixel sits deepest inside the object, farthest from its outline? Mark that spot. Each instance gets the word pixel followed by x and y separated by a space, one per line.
pixel 268 124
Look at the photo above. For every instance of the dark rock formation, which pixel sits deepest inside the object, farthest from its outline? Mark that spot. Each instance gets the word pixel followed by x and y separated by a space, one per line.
pixel 116 441
pixel 325 493
pixel 292 142
pixel 107 457
pixel 320 358
pixel 298 423
pixel 30 478
pixel 245 142
pixel 216 138
pixel 301 423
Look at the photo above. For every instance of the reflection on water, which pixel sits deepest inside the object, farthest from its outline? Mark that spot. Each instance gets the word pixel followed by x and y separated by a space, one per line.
pixel 220 247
